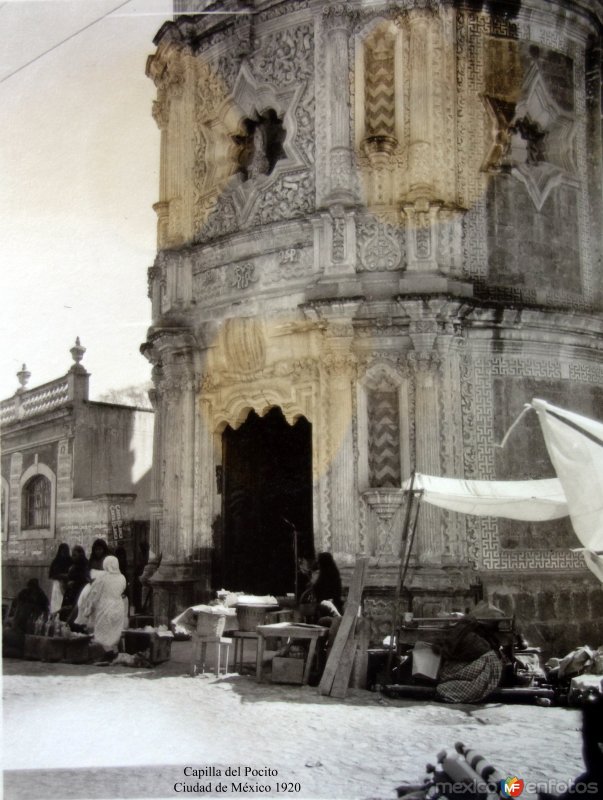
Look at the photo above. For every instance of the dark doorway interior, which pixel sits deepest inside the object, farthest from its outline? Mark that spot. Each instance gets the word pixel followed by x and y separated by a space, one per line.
pixel 267 468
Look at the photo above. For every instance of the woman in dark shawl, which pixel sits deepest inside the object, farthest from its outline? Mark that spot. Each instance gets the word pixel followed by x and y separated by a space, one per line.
pixel 99 552
pixel 30 604
pixel 78 576
pixel 59 568
pixel 324 588
pixel 327 586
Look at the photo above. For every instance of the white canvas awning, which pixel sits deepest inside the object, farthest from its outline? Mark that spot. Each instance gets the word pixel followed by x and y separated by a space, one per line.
pixel 534 501
pixel 575 446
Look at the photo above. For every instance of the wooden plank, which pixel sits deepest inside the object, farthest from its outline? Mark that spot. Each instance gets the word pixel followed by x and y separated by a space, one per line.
pixel 355 650
pixel 344 669
pixel 359 674
pixel 347 626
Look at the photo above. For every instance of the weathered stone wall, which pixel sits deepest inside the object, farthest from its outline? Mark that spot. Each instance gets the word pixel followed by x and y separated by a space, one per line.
pixel 113 452
pixel 556 612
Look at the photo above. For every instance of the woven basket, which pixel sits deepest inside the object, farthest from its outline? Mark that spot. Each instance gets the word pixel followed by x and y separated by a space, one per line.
pixel 249 617
pixel 210 624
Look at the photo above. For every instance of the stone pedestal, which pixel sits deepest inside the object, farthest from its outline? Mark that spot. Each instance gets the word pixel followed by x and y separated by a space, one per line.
pixel 175 588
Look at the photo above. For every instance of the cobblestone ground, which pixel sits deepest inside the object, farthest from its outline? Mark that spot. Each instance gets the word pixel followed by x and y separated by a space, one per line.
pixel 116 732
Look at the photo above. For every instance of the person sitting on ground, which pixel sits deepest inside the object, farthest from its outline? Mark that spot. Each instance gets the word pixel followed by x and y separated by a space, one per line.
pixel 471 658
pixel 104 607
pixel 30 604
pixel 59 567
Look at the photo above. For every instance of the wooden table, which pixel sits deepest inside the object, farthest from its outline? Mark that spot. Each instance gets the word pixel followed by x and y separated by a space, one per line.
pixel 289 630
pixel 239 638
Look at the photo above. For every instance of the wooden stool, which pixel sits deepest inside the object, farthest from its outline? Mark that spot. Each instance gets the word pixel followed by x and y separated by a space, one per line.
pixel 200 650
pixel 240 637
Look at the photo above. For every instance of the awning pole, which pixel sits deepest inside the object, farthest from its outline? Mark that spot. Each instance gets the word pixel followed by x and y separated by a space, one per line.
pixel 401 572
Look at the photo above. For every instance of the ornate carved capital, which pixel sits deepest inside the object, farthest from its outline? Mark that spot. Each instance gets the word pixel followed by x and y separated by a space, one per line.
pixel 177 381
pixel 338 16
pixel 339 364
pixel 424 362
pixel 208 383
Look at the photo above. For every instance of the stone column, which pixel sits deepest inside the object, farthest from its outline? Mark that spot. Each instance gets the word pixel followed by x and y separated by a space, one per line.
pixel 14 496
pixel 204 487
pixel 344 522
pixel 174 75
pixel 337 21
pixel 174 481
pixel 421 101
pixel 161 208
pixel 428 547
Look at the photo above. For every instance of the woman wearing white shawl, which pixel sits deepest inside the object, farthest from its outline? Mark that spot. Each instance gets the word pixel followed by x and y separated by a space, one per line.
pixel 105 606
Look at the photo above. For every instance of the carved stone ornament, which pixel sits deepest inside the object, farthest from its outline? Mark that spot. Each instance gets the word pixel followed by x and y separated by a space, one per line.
pixel 385 503
pixel 339 16
pixel 379 247
pixel 243 275
pixel 279 77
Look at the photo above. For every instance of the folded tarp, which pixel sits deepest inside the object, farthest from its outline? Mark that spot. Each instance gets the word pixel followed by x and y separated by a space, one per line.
pixel 530 501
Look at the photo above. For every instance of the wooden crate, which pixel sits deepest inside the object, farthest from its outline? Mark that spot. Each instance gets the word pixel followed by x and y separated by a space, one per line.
pixel 153 647
pixel 77 650
pixel 52 648
pixel 287 670
pixel 31 647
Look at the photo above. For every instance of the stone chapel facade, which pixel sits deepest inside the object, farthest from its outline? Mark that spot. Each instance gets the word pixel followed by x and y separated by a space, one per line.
pixel 378 237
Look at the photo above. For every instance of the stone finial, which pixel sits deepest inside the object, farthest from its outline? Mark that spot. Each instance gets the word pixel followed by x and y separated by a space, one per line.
pixel 77 352
pixel 23 376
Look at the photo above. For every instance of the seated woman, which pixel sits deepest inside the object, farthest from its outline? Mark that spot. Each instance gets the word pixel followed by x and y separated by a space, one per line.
pixel 30 604
pixel 104 607
pixel 471 662
pixel 324 590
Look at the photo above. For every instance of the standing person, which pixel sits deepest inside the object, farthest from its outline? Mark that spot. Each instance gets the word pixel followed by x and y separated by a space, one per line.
pixel 143 558
pixel 105 606
pixel 100 550
pixel 122 559
pixel 78 576
pixel 57 572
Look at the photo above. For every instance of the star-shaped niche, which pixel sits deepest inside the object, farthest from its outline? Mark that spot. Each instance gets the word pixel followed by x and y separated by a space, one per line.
pixel 533 140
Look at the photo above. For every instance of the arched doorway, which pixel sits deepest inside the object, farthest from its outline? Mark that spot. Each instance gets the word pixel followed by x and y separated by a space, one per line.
pixel 267 491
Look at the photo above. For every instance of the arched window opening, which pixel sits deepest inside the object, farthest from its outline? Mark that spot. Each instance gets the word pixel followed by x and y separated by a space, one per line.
pixel 36 503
